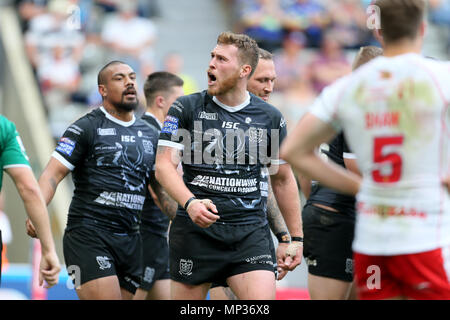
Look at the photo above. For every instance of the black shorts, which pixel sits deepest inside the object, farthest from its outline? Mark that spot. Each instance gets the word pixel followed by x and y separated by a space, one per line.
pixel 328 243
pixel 274 259
pixel 97 253
pixel 206 255
pixel 155 257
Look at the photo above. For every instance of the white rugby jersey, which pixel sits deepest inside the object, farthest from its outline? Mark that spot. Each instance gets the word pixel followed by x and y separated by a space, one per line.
pixel 396 119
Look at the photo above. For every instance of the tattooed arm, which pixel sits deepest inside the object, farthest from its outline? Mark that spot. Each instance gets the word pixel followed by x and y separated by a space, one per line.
pixel 162 198
pixel 274 216
pixel 50 178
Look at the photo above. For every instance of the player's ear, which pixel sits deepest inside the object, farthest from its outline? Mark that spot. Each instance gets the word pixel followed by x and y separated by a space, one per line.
pixel 102 90
pixel 423 29
pixel 246 69
pixel 159 101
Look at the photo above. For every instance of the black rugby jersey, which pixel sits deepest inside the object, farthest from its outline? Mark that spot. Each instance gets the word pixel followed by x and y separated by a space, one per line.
pixel 111 162
pixel 224 150
pixel 320 194
pixel 153 219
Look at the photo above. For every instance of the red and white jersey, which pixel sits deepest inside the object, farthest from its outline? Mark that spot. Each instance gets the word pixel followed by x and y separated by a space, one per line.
pixel 396 119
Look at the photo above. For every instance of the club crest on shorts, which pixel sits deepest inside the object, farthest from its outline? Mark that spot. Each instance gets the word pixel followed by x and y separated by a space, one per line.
pixel 148 274
pixel 103 262
pixel 186 267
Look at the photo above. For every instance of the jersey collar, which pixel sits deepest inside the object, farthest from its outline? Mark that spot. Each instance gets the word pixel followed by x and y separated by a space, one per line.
pixel 119 122
pixel 153 116
pixel 233 109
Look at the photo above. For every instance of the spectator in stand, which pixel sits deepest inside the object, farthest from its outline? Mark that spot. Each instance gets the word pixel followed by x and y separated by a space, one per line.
pixel 440 15
pixel 58 72
pixel 440 12
pixel 130 38
pixel 309 17
pixel 295 100
pixel 263 21
pixel 290 61
pixel 28 9
pixel 173 63
pixel 59 78
pixel 349 23
pixel 330 63
pixel 49 29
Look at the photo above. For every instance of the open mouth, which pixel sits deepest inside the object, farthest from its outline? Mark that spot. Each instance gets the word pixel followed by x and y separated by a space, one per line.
pixel 211 79
pixel 130 93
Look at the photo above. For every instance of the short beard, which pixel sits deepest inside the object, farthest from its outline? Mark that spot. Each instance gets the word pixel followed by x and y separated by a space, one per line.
pixel 127 106
pixel 227 84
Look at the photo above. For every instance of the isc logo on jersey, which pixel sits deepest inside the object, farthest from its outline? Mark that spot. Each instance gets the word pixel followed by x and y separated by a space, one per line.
pixel 230 125
pixel 128 138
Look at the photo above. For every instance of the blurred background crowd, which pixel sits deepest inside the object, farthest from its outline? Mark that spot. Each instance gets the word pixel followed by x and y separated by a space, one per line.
pixel 313 42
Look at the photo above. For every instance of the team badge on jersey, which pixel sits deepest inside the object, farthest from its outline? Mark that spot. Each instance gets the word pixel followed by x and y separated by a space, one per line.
pixel 256 135
pixel 186 267
pixel 170 125
pixel 106 131
pixel 208 116
pixel 148 146
pixel 66 146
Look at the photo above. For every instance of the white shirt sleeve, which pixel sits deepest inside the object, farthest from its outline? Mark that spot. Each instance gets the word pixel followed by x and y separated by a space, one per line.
pixel 326 105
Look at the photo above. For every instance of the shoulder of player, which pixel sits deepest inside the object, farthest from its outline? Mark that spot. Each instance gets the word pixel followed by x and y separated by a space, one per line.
pixel 191 101
pixel 267 108
pixel 87 124
pixel 150 121
pixel 6 124
pixel 144 125
pixel 7 129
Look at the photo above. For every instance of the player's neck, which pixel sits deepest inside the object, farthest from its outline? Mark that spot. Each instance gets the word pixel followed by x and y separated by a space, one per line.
pixel 234 97
pixel 402 47
pixel 122 115
pixel 157 113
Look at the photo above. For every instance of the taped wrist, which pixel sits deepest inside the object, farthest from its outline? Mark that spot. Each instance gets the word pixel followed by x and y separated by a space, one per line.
pixel 291 250
pixel 206 202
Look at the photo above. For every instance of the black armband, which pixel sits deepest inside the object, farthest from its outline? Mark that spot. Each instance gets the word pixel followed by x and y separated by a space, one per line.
pixel 299 239
pixel 283 237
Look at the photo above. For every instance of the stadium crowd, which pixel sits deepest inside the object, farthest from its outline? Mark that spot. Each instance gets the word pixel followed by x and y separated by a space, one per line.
pixel 313 42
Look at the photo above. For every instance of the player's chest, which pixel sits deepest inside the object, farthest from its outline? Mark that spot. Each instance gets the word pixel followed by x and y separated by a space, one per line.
pixel 123 146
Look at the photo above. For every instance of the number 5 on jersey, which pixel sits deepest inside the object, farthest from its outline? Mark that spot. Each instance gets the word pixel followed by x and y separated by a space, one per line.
pixel 382 156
